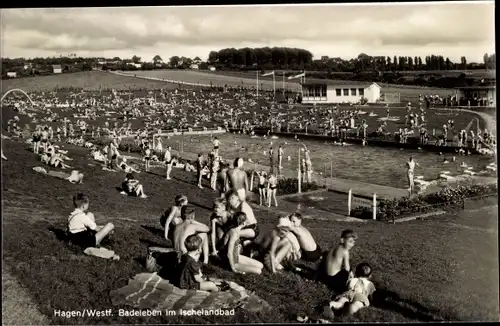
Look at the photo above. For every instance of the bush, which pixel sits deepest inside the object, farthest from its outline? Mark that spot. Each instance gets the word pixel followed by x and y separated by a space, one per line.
pixel 287 186
pixel 448 197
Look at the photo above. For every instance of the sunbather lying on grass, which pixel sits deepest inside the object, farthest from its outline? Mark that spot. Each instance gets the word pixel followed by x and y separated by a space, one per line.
pixel 132 187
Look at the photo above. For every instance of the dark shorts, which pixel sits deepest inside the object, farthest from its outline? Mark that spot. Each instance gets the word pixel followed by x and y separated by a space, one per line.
pixel 253 227
pixel 337 282
pixel 167 162
pixel 147 158
pixel 273 187
pixel 44 140
pixel 312 255
pixel 113 157
pixel 83 239
pixel 262 186
pixel 216 147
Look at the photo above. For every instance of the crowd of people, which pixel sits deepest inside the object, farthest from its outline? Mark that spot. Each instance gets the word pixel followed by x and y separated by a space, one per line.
pixel 233 237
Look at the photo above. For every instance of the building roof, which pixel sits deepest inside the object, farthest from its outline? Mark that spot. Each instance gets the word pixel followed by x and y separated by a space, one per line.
pixel 56 66
pixel 339 82
pixel 477 87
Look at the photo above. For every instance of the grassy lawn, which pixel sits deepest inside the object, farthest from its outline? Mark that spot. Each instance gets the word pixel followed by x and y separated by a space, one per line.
pixel 425 270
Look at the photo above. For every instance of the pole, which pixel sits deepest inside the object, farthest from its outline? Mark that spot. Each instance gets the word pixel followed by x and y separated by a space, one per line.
pixel 299 190
pixel 331 169
pixel 257 83
pixel 274 85
pixel 283 83
pixel 374 206
pixel 349 202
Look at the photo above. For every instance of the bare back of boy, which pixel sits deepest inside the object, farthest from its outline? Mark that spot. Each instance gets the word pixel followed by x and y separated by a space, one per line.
pixel 237 180
pixel 187 228
pixel 306 240
pixel 336 260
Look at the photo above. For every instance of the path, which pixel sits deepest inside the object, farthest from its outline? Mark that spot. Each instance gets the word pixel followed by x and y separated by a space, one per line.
pixel 491 124
pixel 18 307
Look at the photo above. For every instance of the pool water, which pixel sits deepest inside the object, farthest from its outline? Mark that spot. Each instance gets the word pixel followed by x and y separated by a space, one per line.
pixel 383 166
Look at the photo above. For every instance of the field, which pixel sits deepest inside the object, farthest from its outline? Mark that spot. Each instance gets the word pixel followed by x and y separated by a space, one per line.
pixel 451 275
pixel 408 93
pixel 93 80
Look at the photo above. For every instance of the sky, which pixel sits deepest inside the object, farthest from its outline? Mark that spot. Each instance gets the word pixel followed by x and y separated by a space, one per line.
pixel 449 29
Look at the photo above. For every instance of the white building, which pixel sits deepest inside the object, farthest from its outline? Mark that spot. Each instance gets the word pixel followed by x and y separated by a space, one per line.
pixel 477 96
pixel 211 68
pixel 137 65
pixel 338 91
pixel 56 69
pixel 11 74
pixel 194 66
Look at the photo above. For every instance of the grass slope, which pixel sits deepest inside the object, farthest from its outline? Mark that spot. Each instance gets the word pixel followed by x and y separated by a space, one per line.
pixel 425 270
pixel 88 80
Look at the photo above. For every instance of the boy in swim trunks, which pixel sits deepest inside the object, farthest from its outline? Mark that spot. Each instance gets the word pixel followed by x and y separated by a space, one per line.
pixel 359 291
pixel 310 250
pixel 336 268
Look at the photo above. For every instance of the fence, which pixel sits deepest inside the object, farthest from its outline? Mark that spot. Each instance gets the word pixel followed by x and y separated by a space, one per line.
pixel 390 98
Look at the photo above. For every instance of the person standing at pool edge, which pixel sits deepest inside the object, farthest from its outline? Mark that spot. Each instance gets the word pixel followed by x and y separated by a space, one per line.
pixel 410 165
pixel 237 180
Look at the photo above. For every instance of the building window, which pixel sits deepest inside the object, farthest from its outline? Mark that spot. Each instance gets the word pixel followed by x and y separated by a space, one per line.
pixel 338 92
pixel 353 91
pixel 323 91
pixel 361 91
pixel 317 91
pixel 346 92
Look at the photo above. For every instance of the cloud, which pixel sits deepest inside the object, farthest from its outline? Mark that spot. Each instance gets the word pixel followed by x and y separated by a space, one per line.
pixel 324 30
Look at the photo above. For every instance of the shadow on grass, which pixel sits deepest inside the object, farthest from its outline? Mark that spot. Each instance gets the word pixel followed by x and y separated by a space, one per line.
pixel 154 230
pixel 388 300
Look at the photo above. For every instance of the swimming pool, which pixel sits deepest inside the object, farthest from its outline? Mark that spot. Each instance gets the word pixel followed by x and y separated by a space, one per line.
pixel 383 166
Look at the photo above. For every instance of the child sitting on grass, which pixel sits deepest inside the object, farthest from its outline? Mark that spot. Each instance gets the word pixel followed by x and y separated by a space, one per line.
pixel 359 292
pixel 82 229
pixel 335 269
pixel 132 187
pixel 189 269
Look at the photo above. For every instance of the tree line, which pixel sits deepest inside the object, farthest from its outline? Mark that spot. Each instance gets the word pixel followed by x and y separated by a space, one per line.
pixel 283 58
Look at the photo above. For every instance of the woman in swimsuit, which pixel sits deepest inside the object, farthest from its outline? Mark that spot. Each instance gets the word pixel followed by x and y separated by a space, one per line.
pixel 220 222
pixel 262 187
pixel 272 187
pixel 147 157
pixel 36 140
pixel 232 247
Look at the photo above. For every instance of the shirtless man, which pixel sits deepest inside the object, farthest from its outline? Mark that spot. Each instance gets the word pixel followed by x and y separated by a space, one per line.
pixel 188 227
pixel 250 229
pixel 172 216
pixel 309 249
pixel 280 244
pixel 335 271
pixel 410 165
pixel 216 143
pixel 281 152
pixel 237 179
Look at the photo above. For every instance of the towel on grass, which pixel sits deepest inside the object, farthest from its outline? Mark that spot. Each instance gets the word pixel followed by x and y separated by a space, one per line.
pixel 101 253
pixel 74 177
pixel 150 291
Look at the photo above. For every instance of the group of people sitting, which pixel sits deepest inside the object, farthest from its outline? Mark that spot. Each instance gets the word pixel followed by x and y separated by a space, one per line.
pixel 233 240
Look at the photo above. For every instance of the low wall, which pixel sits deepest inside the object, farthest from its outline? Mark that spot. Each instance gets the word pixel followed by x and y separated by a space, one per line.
pixel 370 142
